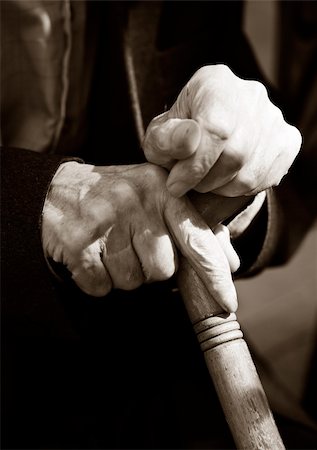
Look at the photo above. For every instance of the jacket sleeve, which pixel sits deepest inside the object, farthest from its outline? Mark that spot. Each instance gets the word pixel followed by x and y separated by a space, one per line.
pixel 27 284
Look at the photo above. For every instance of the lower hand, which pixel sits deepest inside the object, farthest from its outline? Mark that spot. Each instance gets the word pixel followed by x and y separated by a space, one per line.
pixel 222 135
pixel 117 227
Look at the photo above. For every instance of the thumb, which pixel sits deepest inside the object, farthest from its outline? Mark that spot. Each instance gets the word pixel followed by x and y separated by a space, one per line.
pixel 200 247
pixel 169 139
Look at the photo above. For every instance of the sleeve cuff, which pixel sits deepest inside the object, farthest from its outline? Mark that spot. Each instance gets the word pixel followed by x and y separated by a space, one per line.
pixel 255 233
pixel 243 220
pixel 55 269
pixel 271 239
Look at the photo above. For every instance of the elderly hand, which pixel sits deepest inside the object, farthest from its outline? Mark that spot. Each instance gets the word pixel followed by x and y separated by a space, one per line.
pixel 116 226
pixel 223 134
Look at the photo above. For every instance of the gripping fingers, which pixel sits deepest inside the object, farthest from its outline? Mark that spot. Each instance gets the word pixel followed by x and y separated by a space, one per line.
pixel 124 268
pixel 170 139
pixel 188 173
pixel 202 250
pixel 156 253
pixel 89 273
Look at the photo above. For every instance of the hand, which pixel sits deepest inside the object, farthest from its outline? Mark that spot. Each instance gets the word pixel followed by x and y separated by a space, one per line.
pixel 222 135
pixel 115 227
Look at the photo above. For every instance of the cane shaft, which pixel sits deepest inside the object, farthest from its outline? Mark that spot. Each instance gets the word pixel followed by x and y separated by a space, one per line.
pixel 231 367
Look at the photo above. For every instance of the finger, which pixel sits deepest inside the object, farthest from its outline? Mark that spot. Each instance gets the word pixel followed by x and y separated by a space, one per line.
pixel 155 250
pixel 187 174
pixel 124 268
pixel 120 258
pixel 222 234
pixel 287 142
pixel 89 273
pixel 255 170
pixel 200 246
pixel 170 139
pixel 223 171
pixel 269 163
pixel 264 172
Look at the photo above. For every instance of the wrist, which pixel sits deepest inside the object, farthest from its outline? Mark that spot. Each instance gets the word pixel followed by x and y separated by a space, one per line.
pixel 58 194
pixel 67 173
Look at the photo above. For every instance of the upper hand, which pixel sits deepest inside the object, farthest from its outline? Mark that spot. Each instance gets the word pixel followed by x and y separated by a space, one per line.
pixel 223 134
pixel 115 227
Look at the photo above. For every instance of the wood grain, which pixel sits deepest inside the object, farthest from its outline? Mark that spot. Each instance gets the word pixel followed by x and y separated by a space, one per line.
pixel 226 354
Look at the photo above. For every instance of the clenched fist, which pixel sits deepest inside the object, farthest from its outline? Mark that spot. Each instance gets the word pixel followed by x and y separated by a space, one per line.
pixel 118 227
pixel 223 134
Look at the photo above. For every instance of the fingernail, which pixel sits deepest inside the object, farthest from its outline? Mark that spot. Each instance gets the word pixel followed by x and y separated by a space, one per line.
pixel 177 189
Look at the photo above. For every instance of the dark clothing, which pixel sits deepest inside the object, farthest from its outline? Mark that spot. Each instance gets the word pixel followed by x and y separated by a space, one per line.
pixel 120 372
pixel 124 371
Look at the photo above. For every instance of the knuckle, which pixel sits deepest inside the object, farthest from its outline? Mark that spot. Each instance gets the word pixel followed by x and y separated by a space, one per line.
pixel 197 171
pixel 95 219
pixel 157 175
pixel 260 89
pixel 220 70
pixel 277 113
pixel 296 137
pixel 224 70
pixel 125 194
pixel 213 70
pixel 292 141
pixel 257 88
pixel 203 72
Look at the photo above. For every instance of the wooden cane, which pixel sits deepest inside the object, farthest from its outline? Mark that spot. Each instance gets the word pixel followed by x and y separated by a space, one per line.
pixel 228 359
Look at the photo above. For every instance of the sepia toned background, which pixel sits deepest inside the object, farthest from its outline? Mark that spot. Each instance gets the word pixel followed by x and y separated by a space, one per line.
pixel 278 308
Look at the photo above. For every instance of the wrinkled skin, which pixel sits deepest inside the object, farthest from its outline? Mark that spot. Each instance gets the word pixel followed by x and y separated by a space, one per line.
pixel 222 135
pixel 118 227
